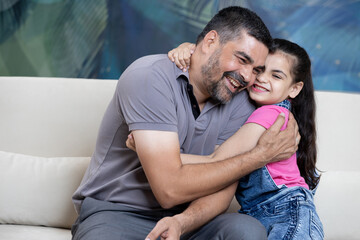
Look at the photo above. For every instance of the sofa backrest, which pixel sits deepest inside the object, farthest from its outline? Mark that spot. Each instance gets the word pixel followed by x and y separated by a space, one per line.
pixel 52 117
pixel 48 128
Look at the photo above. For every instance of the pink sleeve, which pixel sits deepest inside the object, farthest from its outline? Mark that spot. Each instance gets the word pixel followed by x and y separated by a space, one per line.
pixel 266 115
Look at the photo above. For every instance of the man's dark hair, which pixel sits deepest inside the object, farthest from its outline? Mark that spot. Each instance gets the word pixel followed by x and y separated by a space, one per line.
pixel 230 22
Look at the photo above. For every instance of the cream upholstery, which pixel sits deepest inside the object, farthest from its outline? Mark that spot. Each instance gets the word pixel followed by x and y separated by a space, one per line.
pixel 52 123
pixel 44 185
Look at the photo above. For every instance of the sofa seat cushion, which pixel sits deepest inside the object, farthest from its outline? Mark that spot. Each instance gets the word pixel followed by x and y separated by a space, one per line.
pixel 38 190
pixel 22 232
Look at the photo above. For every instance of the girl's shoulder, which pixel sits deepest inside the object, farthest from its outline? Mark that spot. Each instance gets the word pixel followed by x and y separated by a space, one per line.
pixel 266 115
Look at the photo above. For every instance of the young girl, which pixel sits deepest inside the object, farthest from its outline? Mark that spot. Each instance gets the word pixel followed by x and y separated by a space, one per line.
pixel 279 195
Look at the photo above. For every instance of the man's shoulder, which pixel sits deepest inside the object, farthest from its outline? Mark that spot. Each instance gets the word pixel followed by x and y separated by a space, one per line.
pixel 151 61
pixel 148 67
pixel 242 100
pixel 149 72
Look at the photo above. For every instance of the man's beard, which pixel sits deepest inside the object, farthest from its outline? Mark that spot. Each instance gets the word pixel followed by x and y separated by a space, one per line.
pixel 217 88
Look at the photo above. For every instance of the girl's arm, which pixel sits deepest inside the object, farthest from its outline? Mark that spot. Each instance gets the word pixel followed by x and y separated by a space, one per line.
pixel 242 141
pixel 182 54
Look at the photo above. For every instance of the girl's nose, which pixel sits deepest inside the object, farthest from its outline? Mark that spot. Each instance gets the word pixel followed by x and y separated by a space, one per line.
pixel 261 77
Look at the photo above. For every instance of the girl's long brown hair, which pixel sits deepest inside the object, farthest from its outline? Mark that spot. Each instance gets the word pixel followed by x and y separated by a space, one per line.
pixel 303 107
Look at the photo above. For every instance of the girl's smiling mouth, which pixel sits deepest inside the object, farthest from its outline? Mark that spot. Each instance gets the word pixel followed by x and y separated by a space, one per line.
pixel 257 88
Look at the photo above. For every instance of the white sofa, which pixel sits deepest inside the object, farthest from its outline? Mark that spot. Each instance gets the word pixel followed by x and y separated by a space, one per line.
pixel 48 128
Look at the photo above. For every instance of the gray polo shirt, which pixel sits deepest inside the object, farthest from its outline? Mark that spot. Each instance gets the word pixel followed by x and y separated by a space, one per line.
pixel 152 94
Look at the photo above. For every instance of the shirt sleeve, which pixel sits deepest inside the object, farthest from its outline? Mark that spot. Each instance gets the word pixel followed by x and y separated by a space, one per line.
pixel 266 116
pixel 145 98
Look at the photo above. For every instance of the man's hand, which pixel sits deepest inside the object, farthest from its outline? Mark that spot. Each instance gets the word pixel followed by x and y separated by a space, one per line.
pixel 279 145
pixel 168 228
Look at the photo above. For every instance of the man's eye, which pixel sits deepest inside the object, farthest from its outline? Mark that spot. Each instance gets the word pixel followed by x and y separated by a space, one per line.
pixel 242 60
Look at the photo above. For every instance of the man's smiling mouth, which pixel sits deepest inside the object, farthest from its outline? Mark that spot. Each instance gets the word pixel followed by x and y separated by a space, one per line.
pixel 235 83
pixel 235 80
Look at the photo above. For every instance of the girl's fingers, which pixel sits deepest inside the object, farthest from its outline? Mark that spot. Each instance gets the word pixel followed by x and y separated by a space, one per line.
pixel 177 62
pixel 187 59
pixel 170 55
pixel 182 61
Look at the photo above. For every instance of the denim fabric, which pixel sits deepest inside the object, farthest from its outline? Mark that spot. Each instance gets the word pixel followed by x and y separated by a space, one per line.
pixel 290 214
pixel 285 104
pixel 286 213
pixel 256 188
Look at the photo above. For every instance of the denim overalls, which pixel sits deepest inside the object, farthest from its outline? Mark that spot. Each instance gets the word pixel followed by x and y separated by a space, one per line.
pixel 286 213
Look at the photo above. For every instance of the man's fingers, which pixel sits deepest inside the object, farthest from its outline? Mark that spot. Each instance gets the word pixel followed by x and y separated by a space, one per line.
pixel 164 235
pixel 278 123
pixel 293 124
pixel 158 230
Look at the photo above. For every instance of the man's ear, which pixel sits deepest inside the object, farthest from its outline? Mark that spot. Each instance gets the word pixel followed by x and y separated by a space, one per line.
pixel 210 40
pixel 295 89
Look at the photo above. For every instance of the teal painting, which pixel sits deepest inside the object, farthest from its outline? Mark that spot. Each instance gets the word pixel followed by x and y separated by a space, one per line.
pixel 100 38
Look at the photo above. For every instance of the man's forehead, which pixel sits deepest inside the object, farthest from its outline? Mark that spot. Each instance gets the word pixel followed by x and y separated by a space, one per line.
pixel 252 49
pixel 245 55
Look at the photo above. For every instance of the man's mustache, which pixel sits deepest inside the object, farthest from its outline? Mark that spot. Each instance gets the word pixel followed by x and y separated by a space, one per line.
pixel 237 77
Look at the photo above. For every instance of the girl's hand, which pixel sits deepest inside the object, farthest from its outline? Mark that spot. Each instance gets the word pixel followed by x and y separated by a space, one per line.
pixel 181 55
pixel 130 142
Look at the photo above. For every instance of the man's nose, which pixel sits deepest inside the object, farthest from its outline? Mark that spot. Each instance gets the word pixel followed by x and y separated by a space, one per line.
pixel 247 74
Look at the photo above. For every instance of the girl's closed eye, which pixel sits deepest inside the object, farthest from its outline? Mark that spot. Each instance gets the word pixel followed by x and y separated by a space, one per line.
pixel 277 76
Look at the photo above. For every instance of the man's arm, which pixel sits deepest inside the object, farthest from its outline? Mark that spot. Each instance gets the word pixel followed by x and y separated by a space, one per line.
pixel 199 213
pixel 174 183
pixel 196 215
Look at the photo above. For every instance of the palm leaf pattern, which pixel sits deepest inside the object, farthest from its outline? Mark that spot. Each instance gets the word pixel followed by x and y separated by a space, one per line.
pixel 100 38
pixel 12 14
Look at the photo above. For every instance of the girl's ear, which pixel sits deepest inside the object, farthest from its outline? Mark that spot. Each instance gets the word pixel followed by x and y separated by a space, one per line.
pixel 295 89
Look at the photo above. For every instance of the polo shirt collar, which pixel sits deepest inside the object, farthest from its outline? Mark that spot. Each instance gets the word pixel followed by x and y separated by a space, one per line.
pixel 179 72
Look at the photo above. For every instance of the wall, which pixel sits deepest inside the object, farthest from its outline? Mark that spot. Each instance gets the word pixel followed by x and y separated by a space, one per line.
pixel 100 38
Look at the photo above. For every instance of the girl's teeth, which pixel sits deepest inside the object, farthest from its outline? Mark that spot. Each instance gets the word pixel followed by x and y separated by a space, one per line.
pixel 260 88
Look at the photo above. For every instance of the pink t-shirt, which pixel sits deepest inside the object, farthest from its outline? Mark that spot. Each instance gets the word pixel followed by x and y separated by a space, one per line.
pixel 283 172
